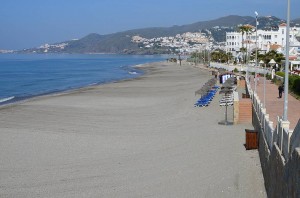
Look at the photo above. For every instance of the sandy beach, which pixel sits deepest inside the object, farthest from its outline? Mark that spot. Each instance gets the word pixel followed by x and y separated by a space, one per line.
pixel 134 138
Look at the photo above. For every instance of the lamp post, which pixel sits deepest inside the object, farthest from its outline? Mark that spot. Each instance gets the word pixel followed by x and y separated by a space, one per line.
pixel 286 76
pixel 262 63
pixel 255 82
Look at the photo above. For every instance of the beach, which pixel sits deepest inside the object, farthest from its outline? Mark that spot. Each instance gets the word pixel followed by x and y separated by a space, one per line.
pixel 141 137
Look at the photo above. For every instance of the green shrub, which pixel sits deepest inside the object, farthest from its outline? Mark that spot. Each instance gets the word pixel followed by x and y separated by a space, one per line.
pixel 275 80
pixel 279 73
pixel 235 70
pixel 296 86
pixel 292 79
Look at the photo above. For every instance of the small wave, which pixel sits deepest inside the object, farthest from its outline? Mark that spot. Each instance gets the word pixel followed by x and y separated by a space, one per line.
pixel 134 73
pixel 6 99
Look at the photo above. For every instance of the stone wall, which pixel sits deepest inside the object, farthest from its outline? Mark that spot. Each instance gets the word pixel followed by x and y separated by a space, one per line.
pixel 282 179
pixel 293 174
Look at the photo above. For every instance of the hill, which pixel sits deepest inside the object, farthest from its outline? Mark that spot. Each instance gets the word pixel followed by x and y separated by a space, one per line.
pixel 296 22
pixel 121 42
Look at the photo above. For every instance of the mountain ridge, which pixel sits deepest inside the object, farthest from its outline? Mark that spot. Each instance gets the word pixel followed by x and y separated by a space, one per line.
pixel 120 42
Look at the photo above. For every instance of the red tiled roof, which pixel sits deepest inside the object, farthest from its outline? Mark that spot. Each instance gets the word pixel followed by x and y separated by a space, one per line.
pixel 274 46
pixel 292 57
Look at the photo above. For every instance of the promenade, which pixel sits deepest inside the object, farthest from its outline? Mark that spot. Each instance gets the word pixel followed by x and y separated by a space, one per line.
pixel 274 104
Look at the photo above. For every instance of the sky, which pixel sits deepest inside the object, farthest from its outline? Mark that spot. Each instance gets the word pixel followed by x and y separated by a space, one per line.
pixel 31 23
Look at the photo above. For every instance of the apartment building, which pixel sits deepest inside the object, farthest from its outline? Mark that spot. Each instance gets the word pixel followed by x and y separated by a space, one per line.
pixel 266 41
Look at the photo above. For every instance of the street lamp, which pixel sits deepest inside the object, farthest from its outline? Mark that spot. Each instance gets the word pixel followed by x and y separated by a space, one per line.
pixel 262 63
pixel 286 76
pixel 255 82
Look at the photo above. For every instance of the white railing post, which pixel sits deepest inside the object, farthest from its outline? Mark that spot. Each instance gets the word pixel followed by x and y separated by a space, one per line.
pixel 263 118
pixel 258 105
pixel 295 138
pixel 290 133
pixel 270 135
pixel 267 118
pixel 284 141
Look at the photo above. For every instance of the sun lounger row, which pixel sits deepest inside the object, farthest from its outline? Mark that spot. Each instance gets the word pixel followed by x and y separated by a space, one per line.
pixel 207 98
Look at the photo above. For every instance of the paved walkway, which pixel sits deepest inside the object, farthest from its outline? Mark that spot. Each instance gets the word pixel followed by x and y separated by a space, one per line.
pixel 274 104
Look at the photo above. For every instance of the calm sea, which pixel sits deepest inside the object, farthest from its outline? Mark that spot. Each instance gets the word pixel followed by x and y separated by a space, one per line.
pixel 28 75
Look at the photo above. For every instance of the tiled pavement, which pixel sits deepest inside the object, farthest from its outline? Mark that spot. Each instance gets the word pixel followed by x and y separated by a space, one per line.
pixel 274 104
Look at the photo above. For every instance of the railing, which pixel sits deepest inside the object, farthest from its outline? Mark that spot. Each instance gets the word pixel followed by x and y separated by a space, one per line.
pixel 286 139
pixel 295 138
pixel 278 77
pixel 268 130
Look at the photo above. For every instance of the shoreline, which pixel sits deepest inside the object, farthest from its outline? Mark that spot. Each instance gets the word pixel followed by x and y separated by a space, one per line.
pixel 29 85
pixel 132 138
pixel 13 102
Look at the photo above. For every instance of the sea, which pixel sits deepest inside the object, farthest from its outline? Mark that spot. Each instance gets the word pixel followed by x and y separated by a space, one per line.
pixel 24 76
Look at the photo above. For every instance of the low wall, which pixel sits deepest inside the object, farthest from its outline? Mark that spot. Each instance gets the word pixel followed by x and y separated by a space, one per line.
pixel 281 179
pixel 281 168
pixel 293 174
pixel 236 108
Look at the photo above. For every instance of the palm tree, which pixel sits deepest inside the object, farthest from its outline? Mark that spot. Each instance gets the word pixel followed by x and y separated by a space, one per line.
pixel 245 29
pixel 242 29
pixel 221 56
pixel 278 57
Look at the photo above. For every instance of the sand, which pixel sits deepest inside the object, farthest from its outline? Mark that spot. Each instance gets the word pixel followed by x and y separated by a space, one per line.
pixel 133 138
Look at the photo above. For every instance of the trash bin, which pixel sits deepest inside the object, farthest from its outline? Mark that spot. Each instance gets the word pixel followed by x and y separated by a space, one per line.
pixel 251 139
pixel 245 95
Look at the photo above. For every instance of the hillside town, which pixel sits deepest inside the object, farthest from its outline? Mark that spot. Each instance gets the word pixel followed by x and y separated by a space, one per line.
pixel 181 43
pixel 238 43
pixel 6 51
pixel 46 47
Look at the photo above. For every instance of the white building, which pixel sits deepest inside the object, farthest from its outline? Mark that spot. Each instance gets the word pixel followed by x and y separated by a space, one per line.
pixel 266 41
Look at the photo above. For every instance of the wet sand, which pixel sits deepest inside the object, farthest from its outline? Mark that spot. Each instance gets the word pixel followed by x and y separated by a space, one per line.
pixel 133 138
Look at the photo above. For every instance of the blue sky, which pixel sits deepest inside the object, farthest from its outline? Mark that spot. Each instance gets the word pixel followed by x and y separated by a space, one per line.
pixel 30 23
